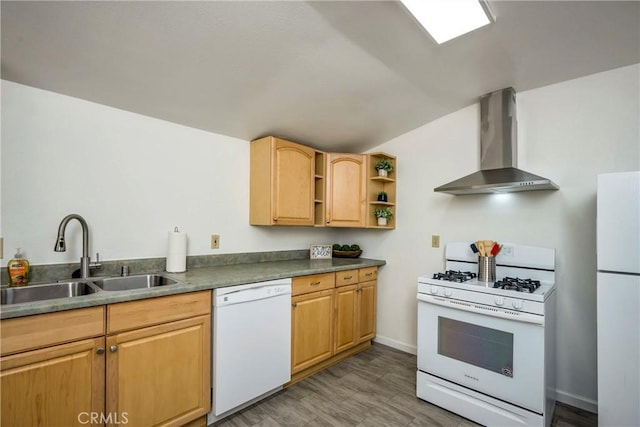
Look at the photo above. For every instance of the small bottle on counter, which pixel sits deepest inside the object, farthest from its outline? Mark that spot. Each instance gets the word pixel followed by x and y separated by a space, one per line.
pixel 18 269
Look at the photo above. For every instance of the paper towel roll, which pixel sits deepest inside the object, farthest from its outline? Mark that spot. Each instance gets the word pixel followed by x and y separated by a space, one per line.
pixel 177 252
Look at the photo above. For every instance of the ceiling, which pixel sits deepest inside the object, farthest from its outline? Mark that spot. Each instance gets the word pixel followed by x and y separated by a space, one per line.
pixel 337 75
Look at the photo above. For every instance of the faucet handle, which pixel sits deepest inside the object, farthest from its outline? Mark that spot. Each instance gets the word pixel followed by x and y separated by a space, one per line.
pixel 96 265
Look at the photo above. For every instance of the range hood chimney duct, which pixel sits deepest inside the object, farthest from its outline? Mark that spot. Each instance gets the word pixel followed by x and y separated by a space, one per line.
pixel 498 152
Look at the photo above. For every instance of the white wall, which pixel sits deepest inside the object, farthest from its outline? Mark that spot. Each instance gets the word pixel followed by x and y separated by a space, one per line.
pixel 133 178
pixel 568 132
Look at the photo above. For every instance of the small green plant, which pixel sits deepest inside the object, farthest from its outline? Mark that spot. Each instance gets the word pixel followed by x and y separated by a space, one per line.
pixel 384 164
pixel 383 213
pixel 339 247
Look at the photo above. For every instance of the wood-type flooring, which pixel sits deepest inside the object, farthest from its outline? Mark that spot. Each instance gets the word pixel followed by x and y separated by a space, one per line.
pixel 374 388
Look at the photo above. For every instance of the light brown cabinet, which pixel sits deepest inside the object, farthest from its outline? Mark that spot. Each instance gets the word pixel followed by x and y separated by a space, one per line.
pixel 292 184
pixel 355 308
pixel 333 316
pixel 312 322
pixel 52 368
pixel 282 183
pixel 54 386
pixel 346 193
pixel 160 344
pixel 152 368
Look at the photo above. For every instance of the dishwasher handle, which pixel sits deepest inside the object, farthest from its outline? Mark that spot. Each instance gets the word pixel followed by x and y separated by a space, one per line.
pixel 252 294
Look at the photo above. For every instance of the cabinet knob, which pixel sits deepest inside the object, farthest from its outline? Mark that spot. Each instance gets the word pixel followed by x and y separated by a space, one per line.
pixel 100 350
pixel 294 304
pixel 113 348
pixel 359 290
pixel 275 219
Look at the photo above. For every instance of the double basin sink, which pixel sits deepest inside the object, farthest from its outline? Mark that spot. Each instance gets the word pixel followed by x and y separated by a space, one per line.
pixel 76 288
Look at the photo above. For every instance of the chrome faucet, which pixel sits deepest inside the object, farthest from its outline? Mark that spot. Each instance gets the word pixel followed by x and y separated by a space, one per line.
pixel 85 261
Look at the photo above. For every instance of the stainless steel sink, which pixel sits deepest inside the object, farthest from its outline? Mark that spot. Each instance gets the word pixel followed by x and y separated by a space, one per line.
pixel 133 282
pixel 45 291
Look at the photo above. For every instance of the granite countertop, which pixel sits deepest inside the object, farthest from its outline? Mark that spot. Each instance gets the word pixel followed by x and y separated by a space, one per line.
pixel 195 279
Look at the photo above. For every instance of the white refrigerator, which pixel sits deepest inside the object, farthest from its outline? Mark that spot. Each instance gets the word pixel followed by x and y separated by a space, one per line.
pixel 618 251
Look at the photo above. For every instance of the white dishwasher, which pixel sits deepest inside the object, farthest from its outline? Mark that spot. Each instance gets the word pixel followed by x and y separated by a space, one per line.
pixel 251 343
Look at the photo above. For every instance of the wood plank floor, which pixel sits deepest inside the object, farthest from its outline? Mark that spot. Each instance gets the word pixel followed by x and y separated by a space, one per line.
pixel 374 388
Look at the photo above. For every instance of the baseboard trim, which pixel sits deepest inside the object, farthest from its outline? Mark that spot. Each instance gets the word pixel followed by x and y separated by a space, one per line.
pixel 577 401
pixel 412 349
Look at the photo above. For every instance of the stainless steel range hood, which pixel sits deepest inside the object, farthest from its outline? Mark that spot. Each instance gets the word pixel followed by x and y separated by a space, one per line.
pixel 498 152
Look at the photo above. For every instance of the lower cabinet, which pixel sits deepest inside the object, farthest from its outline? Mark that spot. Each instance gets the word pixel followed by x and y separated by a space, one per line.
pixel 155 375
pixel 151 369
pixel 355 308
pixel 312 302
pixel 332 322
pixel 56 386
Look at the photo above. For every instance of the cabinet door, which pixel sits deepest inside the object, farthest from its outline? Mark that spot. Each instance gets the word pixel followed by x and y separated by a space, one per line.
pixel 293 184
pixel 346 190
pixel 346 317
pixel 160 375
pixel 311 329
pixel 366 311
pixel 54 386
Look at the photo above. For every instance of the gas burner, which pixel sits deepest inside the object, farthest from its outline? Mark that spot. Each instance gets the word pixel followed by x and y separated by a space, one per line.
pixel 517 284
pixel 455 276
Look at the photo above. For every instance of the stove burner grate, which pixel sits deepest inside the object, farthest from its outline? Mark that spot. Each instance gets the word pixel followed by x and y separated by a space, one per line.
pixel 517 284
pixel 455 276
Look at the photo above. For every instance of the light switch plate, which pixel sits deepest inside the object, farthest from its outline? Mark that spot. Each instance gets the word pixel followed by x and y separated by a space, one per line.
pixel 1 247
pixel 215 241
pixel 435 241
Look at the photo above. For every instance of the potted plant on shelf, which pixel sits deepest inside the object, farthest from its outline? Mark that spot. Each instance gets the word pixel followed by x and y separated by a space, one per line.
pixel 382 197
pixel 384 166
pixel 383 214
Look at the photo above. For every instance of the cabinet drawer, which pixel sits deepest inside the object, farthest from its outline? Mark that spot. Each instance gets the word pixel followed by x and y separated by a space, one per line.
pixel 138 314
pixel 347 277
pixel 43 330
pixel 316 282
pixel 367 274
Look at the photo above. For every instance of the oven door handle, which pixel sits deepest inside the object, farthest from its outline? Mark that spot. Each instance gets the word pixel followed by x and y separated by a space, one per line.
pixel 517 316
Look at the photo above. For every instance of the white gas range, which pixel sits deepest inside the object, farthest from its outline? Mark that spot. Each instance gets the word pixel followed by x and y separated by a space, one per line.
pixel 486 350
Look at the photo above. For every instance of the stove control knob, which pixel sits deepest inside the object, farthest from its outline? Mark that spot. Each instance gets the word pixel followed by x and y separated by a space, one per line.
pixel 433 290
pixel 499 301
pixel 447 293
pixel 517 304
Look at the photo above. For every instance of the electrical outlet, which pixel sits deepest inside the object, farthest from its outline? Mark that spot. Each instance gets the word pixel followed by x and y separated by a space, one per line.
pixel 507 250
pixel 435 241
pixel 215 241
pixel 1 247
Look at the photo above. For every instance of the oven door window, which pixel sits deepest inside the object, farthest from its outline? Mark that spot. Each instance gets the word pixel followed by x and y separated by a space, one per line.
pixel 477 345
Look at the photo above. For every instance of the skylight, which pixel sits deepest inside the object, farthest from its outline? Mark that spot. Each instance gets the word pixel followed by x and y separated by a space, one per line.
pixel 447 19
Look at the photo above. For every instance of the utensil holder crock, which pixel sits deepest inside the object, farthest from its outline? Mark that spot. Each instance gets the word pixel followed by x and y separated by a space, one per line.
pixel 486 269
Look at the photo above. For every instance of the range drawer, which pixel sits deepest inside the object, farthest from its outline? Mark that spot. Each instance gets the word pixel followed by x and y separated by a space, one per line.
pixel 315 282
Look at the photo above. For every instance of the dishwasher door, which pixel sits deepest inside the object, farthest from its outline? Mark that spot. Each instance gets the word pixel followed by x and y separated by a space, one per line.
pixel 251 343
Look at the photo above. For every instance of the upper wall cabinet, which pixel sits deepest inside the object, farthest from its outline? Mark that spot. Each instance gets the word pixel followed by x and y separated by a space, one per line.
pixel 292 184
pixel 282 183
pixel 346 193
